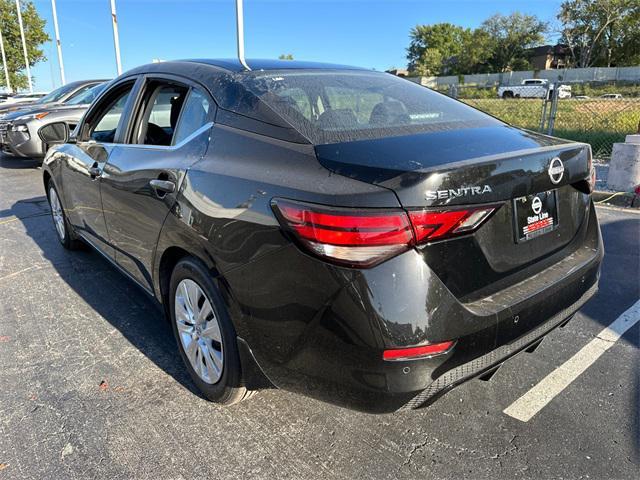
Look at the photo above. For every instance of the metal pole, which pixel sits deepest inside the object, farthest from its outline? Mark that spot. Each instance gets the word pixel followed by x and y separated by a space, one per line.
pixel 554 108
pixel 240 33
pixel 116 38
pixel 55 28
pixel 24 46
pixel 4 63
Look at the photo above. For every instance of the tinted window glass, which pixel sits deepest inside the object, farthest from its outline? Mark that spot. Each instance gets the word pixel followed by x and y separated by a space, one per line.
pixel 297 98
pixel 195 114
pixel 161 114
pixel 105 128
pixel 352 105
pixel 360 102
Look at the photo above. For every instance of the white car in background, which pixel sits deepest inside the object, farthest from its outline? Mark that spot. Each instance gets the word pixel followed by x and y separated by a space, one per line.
pixel 533 88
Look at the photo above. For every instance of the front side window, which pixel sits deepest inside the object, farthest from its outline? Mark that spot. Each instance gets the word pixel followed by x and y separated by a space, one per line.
pixel 106 123
pixel 194 115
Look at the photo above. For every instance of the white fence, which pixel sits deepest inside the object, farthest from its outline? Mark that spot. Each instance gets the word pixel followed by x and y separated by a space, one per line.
pixel 569 75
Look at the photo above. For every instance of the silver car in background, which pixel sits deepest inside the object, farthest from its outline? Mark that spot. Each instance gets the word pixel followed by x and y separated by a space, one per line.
pixel 21 137
pixel 58 96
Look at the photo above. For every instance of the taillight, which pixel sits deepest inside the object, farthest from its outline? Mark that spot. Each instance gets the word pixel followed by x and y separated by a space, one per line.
pixel 366 237
pixel 413 353
pixel 431 225
pixel 353 237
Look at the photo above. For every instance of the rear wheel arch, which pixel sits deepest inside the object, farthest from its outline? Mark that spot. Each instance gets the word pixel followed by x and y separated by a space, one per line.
pixel 169 259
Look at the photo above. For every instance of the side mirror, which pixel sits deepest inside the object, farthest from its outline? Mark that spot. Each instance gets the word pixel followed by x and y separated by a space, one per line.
pixel 54 133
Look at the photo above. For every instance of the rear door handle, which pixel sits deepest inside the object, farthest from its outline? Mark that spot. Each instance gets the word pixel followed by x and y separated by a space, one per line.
pixel 164 186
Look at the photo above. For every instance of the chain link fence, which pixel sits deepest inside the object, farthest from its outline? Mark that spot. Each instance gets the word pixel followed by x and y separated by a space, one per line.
pixel 598 114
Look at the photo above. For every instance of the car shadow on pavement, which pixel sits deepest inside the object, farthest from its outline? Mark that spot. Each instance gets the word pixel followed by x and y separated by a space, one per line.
pixel 18 163
pixel 109 293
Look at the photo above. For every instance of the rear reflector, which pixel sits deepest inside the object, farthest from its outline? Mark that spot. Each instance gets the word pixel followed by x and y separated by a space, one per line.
pixel 365 237
pixel 423 351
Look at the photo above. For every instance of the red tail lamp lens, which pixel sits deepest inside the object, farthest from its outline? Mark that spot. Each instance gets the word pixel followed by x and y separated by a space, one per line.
pixel 366 237
pixel 359 238
pixel 431 225
pixel 423 351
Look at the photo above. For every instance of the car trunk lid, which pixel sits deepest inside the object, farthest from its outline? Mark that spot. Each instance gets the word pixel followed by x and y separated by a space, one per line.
pixel 491 165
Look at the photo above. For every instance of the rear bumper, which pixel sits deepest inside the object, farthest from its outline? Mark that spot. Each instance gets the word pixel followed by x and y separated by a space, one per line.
pixel 494 358
pixel 320 330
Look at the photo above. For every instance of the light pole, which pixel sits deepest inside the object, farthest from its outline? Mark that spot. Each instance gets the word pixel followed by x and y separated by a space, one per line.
pixel 24 47
pixel 4 62
pixel 55 28
pixel 116 38
pixel 240 33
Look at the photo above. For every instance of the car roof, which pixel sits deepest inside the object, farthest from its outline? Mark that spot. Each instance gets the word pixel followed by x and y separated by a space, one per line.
pixel 84 82
pixel 234 65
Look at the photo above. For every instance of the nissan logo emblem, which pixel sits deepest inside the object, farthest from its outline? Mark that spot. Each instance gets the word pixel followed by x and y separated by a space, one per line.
pixel 556 170
pixel 536 205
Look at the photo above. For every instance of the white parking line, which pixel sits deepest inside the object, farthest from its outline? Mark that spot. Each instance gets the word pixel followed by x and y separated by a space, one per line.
pixel 534 400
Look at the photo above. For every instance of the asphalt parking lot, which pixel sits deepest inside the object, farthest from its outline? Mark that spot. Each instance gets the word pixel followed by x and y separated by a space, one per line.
pixel 91 385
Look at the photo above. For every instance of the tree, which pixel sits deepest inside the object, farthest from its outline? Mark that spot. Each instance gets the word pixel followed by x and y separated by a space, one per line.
pixel 35 36
pixel 511 36
pixel 432 45
pixel 601 32
pixel 286 56
pixel 474 55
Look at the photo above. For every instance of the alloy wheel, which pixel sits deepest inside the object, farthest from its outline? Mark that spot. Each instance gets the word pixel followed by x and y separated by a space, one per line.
pixel 57 213
pixel 199 331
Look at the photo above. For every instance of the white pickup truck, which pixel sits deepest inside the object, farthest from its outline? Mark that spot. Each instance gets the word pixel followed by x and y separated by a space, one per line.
pixel 533 88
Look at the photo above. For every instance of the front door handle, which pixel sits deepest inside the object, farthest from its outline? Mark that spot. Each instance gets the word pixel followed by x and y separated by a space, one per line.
pixel 162 186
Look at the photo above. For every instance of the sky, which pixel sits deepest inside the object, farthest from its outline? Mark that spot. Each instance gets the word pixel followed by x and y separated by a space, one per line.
pixel 371 34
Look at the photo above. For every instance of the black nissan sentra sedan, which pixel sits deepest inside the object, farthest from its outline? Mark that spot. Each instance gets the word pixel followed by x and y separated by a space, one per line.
pixel 336 232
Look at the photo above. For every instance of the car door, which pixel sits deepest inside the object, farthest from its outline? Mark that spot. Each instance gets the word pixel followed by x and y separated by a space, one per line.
pixel 169 132
pixel 85 157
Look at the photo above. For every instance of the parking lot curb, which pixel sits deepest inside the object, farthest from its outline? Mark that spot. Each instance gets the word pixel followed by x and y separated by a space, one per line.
pixel 618 199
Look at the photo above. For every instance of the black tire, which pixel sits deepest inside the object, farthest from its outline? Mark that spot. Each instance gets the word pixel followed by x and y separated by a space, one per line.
pixel 68 238
pixel 508 94
pixel 230 388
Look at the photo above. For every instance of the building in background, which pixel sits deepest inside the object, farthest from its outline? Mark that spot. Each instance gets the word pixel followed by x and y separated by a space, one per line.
pixel 550 57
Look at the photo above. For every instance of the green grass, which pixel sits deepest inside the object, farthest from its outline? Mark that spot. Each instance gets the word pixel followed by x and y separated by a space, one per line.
pixel 601 123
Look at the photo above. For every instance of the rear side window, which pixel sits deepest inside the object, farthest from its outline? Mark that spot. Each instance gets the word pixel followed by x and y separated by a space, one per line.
pixel 161 110
pixel 331 106
pixel 194 115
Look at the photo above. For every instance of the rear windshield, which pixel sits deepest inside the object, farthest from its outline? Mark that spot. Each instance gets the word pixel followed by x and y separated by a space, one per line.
pixel 88 96
pixel 57 94
pixel 341 106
